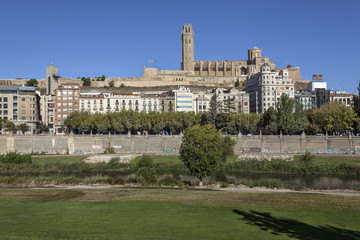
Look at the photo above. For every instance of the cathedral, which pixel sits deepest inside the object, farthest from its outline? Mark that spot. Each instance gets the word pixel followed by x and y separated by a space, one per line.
pixel 232 68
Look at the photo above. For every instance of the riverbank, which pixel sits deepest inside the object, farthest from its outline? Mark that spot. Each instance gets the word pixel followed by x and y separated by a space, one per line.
pixel 323 173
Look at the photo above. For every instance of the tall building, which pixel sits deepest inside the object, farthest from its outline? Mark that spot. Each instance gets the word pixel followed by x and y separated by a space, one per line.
pixel 228 68
pixel 66 102
pixel 52 76
pixel 266 87
pixel 47 105
pixel 187 43
pixel 19 105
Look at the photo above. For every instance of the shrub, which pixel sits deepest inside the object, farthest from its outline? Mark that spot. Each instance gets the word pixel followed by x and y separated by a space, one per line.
pixel 114 163
pixel 147 173
pixel 145 161
pixel 16 158
pixel 167 180
pixel 224 185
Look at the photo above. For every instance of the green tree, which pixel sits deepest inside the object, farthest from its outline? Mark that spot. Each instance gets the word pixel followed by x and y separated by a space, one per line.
pixel 23 127
pixel 229 105
pixel 284 112
pixel 32 82
pixel 202 150
pixel 10 126
pixel 356 101
pixel 237 83
pixel 111 84
pixel 213 110
pixel 103 78
pixel 43 128
pixel 269 121
pixel 334 117
pixel 86 81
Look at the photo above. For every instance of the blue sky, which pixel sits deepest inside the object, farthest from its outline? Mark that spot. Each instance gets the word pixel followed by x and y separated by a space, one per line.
pixel 117 38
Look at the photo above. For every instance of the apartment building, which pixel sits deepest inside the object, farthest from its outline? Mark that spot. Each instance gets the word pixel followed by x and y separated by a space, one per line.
pixel 266 87
pixel 184 100
pixel 66 101
pixel 20 104
pixel 239 100
pixel 47 106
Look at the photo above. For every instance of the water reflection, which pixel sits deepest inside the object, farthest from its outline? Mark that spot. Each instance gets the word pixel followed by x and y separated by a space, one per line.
pixel 289 181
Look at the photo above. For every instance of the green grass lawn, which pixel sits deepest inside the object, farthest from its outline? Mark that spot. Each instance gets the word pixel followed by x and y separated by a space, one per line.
pixel 42 160
pixel 174 214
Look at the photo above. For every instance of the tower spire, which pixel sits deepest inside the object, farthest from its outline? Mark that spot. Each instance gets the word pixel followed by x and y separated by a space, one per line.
pixel 187 47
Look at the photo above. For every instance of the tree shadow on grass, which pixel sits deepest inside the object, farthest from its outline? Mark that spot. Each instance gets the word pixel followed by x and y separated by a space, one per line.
pixel 295 229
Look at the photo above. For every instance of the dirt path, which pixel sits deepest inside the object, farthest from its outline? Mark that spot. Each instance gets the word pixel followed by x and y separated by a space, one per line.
pixel 339 192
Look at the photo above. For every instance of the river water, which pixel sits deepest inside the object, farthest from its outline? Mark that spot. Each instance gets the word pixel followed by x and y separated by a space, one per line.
pixel 288 181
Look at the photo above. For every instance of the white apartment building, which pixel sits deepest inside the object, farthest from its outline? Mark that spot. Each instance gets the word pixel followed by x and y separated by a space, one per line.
pixel 150 103
pixel 342 97
pixel 184 100
pixel 202 101
pixel 266 87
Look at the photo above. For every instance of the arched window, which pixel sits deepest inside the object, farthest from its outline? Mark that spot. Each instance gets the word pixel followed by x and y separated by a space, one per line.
pixel 205 67
pixel 228 67
pixel 189 41
pixel 212 67
pixel 221 67
pixel 197 67
pixel 243 71
pixel 185 41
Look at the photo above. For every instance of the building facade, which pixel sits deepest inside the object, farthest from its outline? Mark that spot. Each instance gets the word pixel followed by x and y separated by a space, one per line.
pixel 266 87
pixel 66 102
pixel 20 104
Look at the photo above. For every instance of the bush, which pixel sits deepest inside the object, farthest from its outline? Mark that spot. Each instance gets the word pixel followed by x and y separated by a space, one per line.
pixel 145 161
pixel 16 158
pixel 224 185
pixel 168 180
pixel 147 173
pixel 114 163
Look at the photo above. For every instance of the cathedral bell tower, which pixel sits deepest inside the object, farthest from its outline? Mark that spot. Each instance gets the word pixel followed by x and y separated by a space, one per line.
pixel 187 46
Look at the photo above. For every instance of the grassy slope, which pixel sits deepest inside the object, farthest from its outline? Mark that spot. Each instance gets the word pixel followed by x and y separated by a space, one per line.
pixel 174 214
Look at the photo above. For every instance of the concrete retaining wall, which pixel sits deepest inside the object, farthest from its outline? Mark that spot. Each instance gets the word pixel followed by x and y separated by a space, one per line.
pixel 137 144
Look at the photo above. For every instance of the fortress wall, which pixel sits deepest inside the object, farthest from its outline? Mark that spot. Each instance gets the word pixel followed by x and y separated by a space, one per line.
pixel 88 144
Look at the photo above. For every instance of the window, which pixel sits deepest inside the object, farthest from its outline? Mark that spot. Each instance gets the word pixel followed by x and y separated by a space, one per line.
pixel 5 112
pixel 5 105
pixel 0 105
pixel 5 99
pixel 0 99
pixel 23 112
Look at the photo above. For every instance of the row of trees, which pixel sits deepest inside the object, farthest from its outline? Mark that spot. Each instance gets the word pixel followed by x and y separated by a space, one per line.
pixel 87 81
pixel 334 117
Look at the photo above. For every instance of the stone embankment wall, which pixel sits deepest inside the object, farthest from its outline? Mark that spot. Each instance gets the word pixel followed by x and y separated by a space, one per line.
pixel 138 144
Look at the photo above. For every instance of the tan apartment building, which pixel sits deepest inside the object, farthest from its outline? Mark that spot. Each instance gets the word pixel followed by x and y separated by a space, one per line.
pixel 20 104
